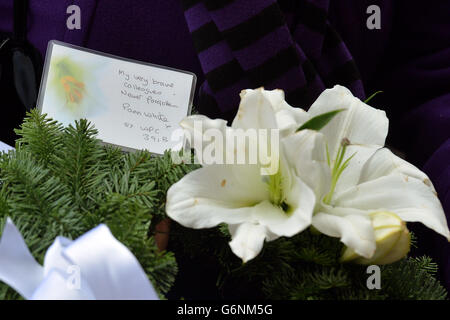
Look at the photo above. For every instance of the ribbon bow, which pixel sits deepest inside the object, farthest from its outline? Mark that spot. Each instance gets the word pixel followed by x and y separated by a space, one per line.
pixel 94 266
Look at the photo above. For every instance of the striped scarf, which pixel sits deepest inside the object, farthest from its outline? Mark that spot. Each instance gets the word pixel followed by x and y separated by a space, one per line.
pixel 285 44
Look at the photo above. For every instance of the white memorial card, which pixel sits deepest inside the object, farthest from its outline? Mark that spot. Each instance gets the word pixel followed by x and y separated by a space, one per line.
pixel 133 105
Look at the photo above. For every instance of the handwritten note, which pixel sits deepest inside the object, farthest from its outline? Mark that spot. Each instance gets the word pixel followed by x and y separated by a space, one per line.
pixel 132 104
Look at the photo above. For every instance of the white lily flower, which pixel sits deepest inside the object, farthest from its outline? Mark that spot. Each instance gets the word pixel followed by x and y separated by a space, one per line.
pixel 95 266
pixel 255 206
pixel 354 176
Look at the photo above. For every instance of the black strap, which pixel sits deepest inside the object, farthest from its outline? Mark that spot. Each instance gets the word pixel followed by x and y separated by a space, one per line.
pixel 20 20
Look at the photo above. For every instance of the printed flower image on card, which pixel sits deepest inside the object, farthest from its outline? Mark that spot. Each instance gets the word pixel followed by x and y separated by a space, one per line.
pixel 73 87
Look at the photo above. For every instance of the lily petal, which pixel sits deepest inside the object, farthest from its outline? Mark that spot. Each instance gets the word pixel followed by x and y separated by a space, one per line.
pixel 216 194
pixel 300 200
pixel 355 231
pixel 260 107
pixel 195 127
pixel 257 109
pixel 306 153
pixel 359 123
pixel 384 162
pixel 247 240
pixel 411 197
pixel 289 119
pixel 360 154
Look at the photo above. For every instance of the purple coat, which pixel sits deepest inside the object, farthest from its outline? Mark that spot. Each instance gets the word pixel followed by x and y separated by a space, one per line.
pixel 408 58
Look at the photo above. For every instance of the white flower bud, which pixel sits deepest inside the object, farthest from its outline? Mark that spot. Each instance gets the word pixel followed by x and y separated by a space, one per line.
pixel 392 239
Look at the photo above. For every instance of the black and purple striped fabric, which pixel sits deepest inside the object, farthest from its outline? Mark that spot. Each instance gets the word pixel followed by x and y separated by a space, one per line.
pixel 283 44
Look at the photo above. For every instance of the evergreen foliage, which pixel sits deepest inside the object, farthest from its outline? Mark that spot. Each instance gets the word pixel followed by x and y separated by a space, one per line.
pixel 63 181
pixel 306 267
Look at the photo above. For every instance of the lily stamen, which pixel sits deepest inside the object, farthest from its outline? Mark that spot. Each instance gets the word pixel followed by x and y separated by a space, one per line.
pixel 339 166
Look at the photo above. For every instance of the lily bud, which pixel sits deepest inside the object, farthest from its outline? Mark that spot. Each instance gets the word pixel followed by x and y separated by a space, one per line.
pixel 393 241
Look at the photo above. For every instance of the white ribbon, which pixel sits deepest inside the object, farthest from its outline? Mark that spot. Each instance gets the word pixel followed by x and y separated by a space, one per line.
pixel 95 266
pixel 4 147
